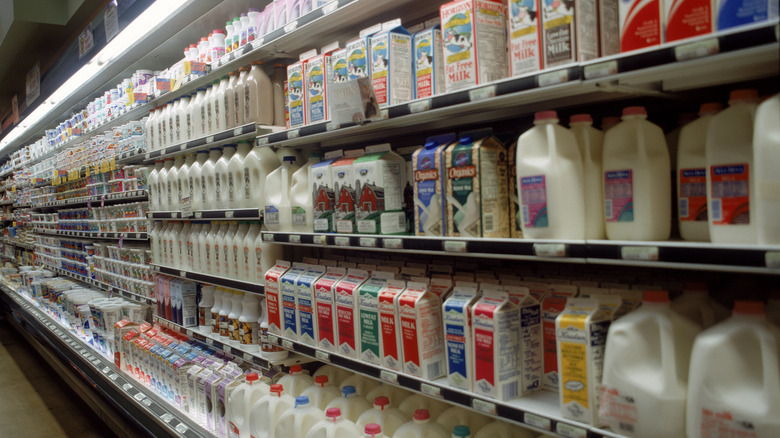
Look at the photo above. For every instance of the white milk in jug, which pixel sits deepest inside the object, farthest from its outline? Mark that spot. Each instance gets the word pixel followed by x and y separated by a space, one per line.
pixel 696 305
pixel 240 403
pixel 383 414
pixel 456 416
pixel 268 410
pixel 421 426
pixel 296 381
pixel 278 209
pixel 322 392
pixel 298 421
pixel 335 374
pixel 591 142
pixel 334 426
pixel 350 404
pixel 766 154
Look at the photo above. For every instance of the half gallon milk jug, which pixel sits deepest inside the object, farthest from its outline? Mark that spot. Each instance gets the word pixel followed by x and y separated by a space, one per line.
pixel 223 177
pixel 550 181
pixel 766 151
pixel 257 165
pixel 502 429
pixel 208 181
pixel 456 416
pixel 590 142
pixel 335 374
pixel 258 92
pixel 362 384
pixel 394 393
pixel 637 187
pixel 645 370
pixel 373 431
pixel 692 176
pixel 298 421
pixel 415 402
pixel 388 417
pixel 296 381
pixel 302 204
pixel 351 405
pixel 334 425
pixel 321 392
pixel 162 185
pixel 267 411
pixel 730 183
pixel 239 406
pixel 734 380
pixel 696 305
pixel 194 180
pixel 151 182
pixel 421 426
pixel 277 195
pixel 236 181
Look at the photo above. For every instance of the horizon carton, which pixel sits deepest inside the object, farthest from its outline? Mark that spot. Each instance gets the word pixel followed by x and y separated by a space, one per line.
pixel 391 65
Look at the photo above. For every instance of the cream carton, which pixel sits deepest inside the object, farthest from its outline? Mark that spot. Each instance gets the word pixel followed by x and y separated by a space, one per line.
pixel 640 24
pixel 422 332
pixel 582 334
pixel 476 190
pixel 474 42
pixel 530 338
pixel 273 295
pixel 430 178
pixel 391 65
pixel 321 179
pixel 287 293
pixel 343 176
pixel 428 63
pixel 686 18
pixel 324 290
pixel 496 325
pixel 525 37
pixel 570 31
pixel 358 65
pixel 346 297
pixel 368 317
pixel 552 305
pixel 390 342
pixel 305 303
pixel 458 335
pixel 379 177
pixel 318 75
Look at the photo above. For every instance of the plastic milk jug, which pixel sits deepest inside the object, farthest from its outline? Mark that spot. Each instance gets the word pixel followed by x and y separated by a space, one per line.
pixel 240 404
pixel 373 430
pixel 298 421
pixel 733 385
pixel 194 176
pixel 321 392
pixel 235 176
pixel 766 151
pixel 591 142
pixel 334 425
pixel 258 163
pixel 351 404
pixel 383 414
pixel 162 185
pixel 258 96
pixel 549 178
pixel 302 203
pixel 278 215
pixel 395 394
pixel 267 411
pixel 151 181
pixel 635 394
pixel 696 305
pixel 296 381
pixel 335 374
pixel 362 384
pixel 421 426
pixel 415 402
pixel 208 184
pixel 502 429
pixel 637 187
pixel 223 176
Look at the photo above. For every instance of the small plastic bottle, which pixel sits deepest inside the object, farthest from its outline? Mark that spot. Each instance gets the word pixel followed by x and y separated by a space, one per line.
pixel 204 307
pixel 215 309
pixel 249 329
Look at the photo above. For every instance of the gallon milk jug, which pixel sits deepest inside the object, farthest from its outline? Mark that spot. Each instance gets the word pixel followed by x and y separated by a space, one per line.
pixel 502 429
pixel 730 182
pixel 295 382
pixel 162 185
pixel 550 181
pixel 692 176
pixel 277 195
pixel 322 392
pixel 734 382
pixel 194 180
pixel 766 152
pixel 257 165
pixel 388 417
pixel 415 402
pixel 240 405
pixel 373 431
pixel 302 204
pixel 267 411
pixel 298 421
pixel 637 187
pixel 696 305
pixel 151 182
pixel 362 384
pixel 334 426
pixel 456 416
pixel 236 181
pixel 394 393
pixel 590 142
pixel 645 370
pixel 335 374
pixel 421 426
pixel 352 405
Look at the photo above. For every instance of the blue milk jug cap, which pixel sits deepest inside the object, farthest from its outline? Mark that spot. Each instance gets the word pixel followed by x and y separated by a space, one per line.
pixel 301 400
pixel 461 431
pixel 347 390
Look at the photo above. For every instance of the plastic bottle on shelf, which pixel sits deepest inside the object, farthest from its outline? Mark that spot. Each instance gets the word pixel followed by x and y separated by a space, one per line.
pixel 173 133
pixel 212 248
pixel 549 167
pixel 237 251
pixel 239 405
pixel 278 215
pixel 730 182
pixel 172 185
pixel 205 305
pixel 183 177
pixel 192 241
pixel 149 136
pixel 373 430
pixel 267 411
pixel 321 392
pixel 421 426
pixel 733 385
pixel 591 142
pixel 160 127
pixel 211 108
pixel 163 125
pixel 258 164
pixel 651 334
pixel 335 374
pixel 229 100
pixel 266 255
pixel 503 429
pixel 154 238
pixel 225 241
pixel 362 384
pixel 351 404
pixel 162 185
pixel 269 351
pixel 235 312
pixel 213 328
pixel 637 187
pixel 695 304
pixel 221 109
pixel 223 177
pixel 278 79
pixel 239 98
pixel 247 259
pixel 195 181
pixel 258 96
pixel 296 380
pixel 205 111
pixel 248 328
pixel 298 421
pixel 184 261
pixel 388 417
pixel 244 36
pixel 217 45
pixel 236 181
pixel 302 203
pixel 202 250
pixel 231 33
pixel 203 49
pixel 151 182
pixel 224 311
pixel 766 154
pixel 209 180
pixel 193 120
pixel 456 416
pixel 334 425
pixel 237 34
pixel 180 121
pixel 252 28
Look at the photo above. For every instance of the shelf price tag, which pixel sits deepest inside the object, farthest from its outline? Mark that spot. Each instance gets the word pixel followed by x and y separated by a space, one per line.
pixel 166 417
pixel 291 26
pixel 210 139
pixel 147 402
pixel 322 355
pixel 262 141
pixel 330 7
pixel 550 249
pixel 388 376
pixel 229 214
pixel 570 431
pixel 209 342
pixel 341 241
pixel 287 344
pixel 482 93
pixel 247 357
pixel 697 49
pixel 430 390
pixel 226 349
pixel 267 237
pixel 106 370
pixel 294 238
pixel 236 132
pixel 140 396
pixel 273 339
pixel 454 245
pixel 127 386
pixel 595 71
pixel 553 77
pixel 484 406
pixel 644 253
pixel 420 106
pixel 537 421
pixel 293 133
pixel 772 259
pixel 182 428
pixel 368 242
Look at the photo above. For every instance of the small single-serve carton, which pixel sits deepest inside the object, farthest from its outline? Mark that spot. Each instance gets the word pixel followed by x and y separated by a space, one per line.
pixel 640 23
pixel 428 63
pixel 305 303
pixel 324 289
pixel 458 335
pixel 296 90
pixel 344 176
pixel 357 52
pixel 474 42
pixel 324 195
pixel 422 332
pixel 430 178
pixel 379 177
pixel 582 335
pixel 496 325
pixel 368 317
pixel 530 338
pixel 318 75
pixel 390 345
pixel 346 297
pixel 391 64
pixel 477 197
pixel 569 31
pixel 552 305
pixel 525 37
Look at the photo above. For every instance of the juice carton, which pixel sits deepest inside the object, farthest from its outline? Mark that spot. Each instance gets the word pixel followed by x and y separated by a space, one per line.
pixel 496 326
pixel 582 334
pixel 390 342
pixel 318 75
pixel 287 295
pixel 476 188
pixel 368 317
pixel 346 297
pixel 525 37
pixel 552 305
pixel 324 289
pixel 273 295
pixel 343 177
pixel 570 31
pixel 305 299
pixel 474 42
pixel 686 18
pixel 358 65
pixel 430 178
pixel 428 63
pixel 458 335
pixel 640 24
pixel 391 65
pixel 530 338
pixel 422 332
pixel 379 190
pixel 324 194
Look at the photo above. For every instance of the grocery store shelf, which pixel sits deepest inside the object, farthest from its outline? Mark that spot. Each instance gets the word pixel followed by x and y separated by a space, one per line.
pixel 210 279
pixel 132 157
pixel 103 286
pixel 238 214
pixel 95 234
pixel 108 198
pixel 245 132
pixel 13 242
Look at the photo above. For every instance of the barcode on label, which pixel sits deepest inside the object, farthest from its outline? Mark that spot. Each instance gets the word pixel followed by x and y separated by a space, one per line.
pixel 608 208
pixel 488 223
pixel 716 210
pixel 510 390
pixel 524 212
pixel 684 207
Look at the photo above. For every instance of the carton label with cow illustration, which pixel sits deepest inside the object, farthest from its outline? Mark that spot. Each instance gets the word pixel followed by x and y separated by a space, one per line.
pixel 391 66
pixel 296 98
pixel 319 71
pixel 379 177
pixel 428 63
pixel 324 196
pixel 343 176
pixel 524 37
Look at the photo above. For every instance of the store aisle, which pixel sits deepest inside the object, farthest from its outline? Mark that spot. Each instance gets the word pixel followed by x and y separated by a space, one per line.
pixel 34 401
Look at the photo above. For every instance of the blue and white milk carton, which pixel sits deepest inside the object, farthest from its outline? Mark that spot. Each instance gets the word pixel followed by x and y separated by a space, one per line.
pixel 428 63
pixel 391 64
pixel 458 335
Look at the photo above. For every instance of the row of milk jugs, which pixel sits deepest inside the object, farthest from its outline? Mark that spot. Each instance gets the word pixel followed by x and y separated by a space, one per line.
pixel 727 176
pixel 245 96
pixel 336 403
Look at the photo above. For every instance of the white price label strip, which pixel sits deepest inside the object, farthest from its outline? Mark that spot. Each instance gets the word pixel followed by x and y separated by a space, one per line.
pixel 484 406
pixel 166 417
pixel 262 141
pixel 247 357
pixel 330 7
pixel 454 245
pixel 570 431
pixel 393 243
pixel 182 428
pixel 236 132
pixel 537 421
pixel 420 106
pixel 291 26
pixel 295 238
pixel 772 259
pixel 268 237
pixel 553 78
pixel 127 386
pixel 293 133
pixel 550 249
pixel 140 396
pixel 595 71
pixel 287 344
pixel 698 49
pixel 430 390
pixel 322 355
pixel 368 242
pixel 388 376
pixel 482 93
pixel 644 253
pixel 342 241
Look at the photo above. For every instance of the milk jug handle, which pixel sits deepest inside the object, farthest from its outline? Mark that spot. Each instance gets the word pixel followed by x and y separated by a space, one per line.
pixel 771 358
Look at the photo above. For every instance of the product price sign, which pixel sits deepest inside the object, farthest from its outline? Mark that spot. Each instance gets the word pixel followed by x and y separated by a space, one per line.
pixel 353 102
pixel 86 41
pixel 111 21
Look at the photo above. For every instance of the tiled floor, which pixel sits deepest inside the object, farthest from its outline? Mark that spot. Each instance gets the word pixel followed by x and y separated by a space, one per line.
pixel 34 401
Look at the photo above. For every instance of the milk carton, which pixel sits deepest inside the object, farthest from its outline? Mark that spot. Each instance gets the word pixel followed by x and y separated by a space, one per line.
pixel 338 60
pixel 496 325
pixel 305 303
pixel 391 65
pixel 458 335
pixel 368 317
pixel 477 188
pixel 570 31
pixel 640 24
pixel 324 193
pixel 318 77
pixel 273 295
pixel 430 178
pixel 732 13
pixel 686 18
pixel 609 28
pixel 390 342
pixel 552 305
pixel 379 191
pixel 346 296
pixel 474 42
pixel 343 176
pixel 408 205
pixel 324 289
pixel 428 63
pixel 287 294
pixel 358 64
pixel 582 334
pixel 422 332
pixel 515 218
pixel 296 93
pixel 525 37
pixel 530 338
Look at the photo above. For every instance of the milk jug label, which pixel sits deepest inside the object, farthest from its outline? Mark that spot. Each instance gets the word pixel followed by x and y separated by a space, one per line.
pixel 533 195
pixel 730 194
pixel 619 196
pixel 271 215
pixel 616 410
pixel 524 37
pixel 295 95
pixel 725 424
pixel 428 66
pixel 298 216
pixel 693 195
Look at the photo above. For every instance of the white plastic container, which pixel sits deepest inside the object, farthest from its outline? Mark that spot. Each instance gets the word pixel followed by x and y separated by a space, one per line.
pixel 335 374
pixel 373 430
pixel 258 105
pixel 230 100
pixel 184 177
pixel 334 425
pixel 208 182
pixel 321 392
pixel 383 414
pixel 222 179
pixel 268 410
pixel 280 103
pixel 362 384
pixel 591 142
pixel 239 98
pixel 236 309
pixel 239 405
pixel 696 305
pixel 733 385
pixel 766 153
pixel 248 258
pixel 503 429
pixel 395 394
pixel 730 183
pixel 637 187
pixel 248 327
pixel 302 203
pixel 172 184
pixel 351 404
pixel 298 421
pixel 415 402
pixel 236 176
pixel 220 105
pixel 278 215
pixel 194 119
pixel 204 246
pixel 195 183
pixel 258 163
pixel 456 416
pixel 162 185
pixel 635 394
pixel 151 182
pixel 421 426
pixel 296 381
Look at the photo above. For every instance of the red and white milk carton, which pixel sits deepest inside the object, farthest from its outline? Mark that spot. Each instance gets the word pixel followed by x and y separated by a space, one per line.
pixel 324 292
pixel 422 332
pixel 273 295
pixel 390 346
pixel 687 18
pixel 346 297
pixel 641 23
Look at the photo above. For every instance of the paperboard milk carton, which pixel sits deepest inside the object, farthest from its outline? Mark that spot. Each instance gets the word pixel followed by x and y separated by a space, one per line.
pixel 358 61
pixel 474 42
pixel 273 295
pixel 530 338
pixel 582 334
pixel 287 294
pixel 318 77
pixel 686 18
pixel 324 193
pixel 390 345
pixel 430 178
pixel 305 304
pixel 525 37
pixel 296 93
pixel 428 63
pixel 515 229
pixel 570 31
pixel 458 335
pixel 391 66
pixel 368 317
pixel 379 177
pixel 346 296
pixel 640 24
pixel 732 13
pixel 338 60
pixel 552 305
pixel 324 289
pixel 343 175
pixel 422 332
